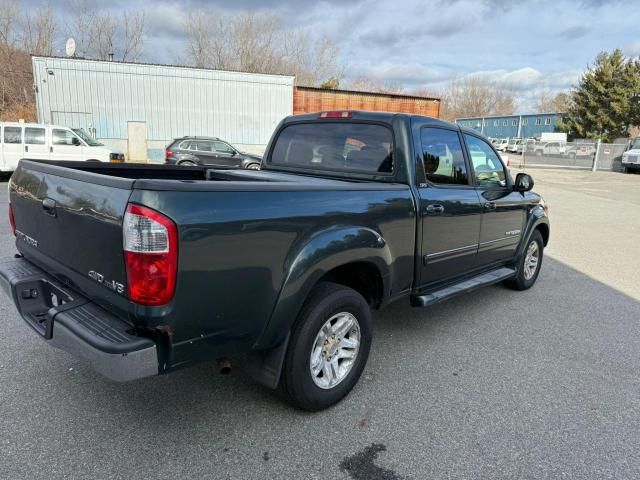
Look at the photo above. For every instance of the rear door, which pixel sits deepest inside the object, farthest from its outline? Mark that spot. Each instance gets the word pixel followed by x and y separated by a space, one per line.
pixel 503 210
pixel 205 151
pixel 448 205
pixel 65 145
pixel 12 147
pixel 35 143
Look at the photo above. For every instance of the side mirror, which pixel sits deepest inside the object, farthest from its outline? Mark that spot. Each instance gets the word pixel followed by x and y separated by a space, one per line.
pixel 523 183
pixel 75 141
pixel 233 153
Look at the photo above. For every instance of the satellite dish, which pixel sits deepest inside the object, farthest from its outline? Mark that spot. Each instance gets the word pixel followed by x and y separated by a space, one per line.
pixel 70 47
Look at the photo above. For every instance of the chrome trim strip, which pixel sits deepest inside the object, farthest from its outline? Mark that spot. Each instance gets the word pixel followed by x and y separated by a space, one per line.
pixel 453 250
pixel 489 242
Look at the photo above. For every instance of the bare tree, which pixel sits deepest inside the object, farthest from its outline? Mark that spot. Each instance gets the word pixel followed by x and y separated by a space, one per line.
pixel 37 31
pixel 101 35
pixel 476 96
pixel 132 40
pixel 81 25
pixel 367 84
pixel 547 102
pixel 260 44
pixel 16 94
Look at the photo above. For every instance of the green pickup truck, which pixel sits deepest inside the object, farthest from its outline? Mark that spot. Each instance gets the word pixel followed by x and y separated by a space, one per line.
pixel 141 269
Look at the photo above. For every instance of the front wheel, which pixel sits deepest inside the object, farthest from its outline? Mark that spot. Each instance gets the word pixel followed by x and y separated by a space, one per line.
pixel 529 265
pixel 328 347
pixel 253 166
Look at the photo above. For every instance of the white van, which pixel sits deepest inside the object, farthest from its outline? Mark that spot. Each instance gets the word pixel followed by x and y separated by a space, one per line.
pixel 49 142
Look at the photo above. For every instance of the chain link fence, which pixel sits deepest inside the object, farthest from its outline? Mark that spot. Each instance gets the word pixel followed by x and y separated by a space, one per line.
pixel 571 155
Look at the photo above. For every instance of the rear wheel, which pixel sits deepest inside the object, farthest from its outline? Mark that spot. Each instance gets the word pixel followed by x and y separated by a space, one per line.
pixel 253 166
pixel 187 163
pixel 529 265
pixel 328 348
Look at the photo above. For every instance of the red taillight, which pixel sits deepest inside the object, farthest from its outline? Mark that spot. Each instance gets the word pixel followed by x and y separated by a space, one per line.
pixel 150 242
pixel 12 220
pixel 168 154
pixel 336 114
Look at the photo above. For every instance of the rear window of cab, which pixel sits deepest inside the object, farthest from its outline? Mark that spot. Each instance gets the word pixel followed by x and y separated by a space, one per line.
pixel 335 146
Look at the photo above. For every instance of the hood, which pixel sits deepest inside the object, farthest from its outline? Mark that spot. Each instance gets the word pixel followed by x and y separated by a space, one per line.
pixel 633 151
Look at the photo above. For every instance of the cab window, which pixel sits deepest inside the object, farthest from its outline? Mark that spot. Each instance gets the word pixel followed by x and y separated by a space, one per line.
pixel 487 166
pixel 63 137
pixel 442 157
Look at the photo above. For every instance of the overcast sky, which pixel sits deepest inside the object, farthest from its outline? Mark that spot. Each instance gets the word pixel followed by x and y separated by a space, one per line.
pixel 529 45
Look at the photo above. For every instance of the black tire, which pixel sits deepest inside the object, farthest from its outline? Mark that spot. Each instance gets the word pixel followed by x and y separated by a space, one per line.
pixel 93 160
pixel 188 163
pixel 253 166
pixel 296 381
pixel 520 281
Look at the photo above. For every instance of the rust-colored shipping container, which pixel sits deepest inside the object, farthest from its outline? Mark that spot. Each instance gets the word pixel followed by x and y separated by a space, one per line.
pixel 311 99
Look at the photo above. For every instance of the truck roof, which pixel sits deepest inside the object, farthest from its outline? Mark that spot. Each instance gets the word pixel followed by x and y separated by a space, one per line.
pixel 386 117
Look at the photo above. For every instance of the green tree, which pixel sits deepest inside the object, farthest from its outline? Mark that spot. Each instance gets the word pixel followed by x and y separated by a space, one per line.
pixel 604 104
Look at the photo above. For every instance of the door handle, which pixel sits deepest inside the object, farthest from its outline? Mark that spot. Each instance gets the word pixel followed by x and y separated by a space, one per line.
pixel 49 206
pixel 490 206
pixel 51 149
pixel 26 148
pixel 434 210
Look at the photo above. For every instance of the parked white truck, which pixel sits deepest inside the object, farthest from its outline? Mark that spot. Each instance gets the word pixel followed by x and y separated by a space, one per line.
pixel 631 158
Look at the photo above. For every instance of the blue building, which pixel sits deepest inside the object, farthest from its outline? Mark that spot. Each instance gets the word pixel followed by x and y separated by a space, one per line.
pixel 510 126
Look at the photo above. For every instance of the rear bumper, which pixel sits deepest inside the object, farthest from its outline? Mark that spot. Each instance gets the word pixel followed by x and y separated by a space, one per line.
pixel 70 322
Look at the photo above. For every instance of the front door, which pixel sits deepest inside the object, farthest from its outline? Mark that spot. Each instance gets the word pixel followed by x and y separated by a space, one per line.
pixel 65 145
pixel 35 143
pixel 449 206
pixel 226 155
pixel 12 147
pixel 503 209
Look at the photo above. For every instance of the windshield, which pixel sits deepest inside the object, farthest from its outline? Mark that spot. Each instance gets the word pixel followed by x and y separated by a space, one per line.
pixel 86 137
pixel 636 144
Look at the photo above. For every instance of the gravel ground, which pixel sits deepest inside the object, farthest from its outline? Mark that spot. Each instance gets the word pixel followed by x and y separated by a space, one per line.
pixel 495 384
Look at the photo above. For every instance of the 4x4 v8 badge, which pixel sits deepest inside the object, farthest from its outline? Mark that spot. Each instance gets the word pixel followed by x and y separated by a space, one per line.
pixel 27 239
pixel 110 284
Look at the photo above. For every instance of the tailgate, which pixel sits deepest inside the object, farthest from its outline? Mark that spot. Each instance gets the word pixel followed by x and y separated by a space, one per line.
pixel 70 223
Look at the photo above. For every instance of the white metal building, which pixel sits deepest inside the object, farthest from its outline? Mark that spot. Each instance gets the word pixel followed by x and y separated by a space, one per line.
pixel 121 103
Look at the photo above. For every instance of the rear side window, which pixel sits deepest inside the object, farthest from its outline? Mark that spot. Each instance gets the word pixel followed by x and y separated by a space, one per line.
pixel 442 157
pixel 12 134
pixel 339 146
pixel 34 136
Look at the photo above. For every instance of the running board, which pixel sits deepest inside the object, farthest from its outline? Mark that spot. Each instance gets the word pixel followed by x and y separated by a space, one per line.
pixel 465 286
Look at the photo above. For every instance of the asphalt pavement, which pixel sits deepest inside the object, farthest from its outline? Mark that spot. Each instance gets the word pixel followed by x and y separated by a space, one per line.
pixel 495 384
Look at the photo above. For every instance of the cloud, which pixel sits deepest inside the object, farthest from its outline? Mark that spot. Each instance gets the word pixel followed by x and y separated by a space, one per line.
pixel 574 32
pixel 633 49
